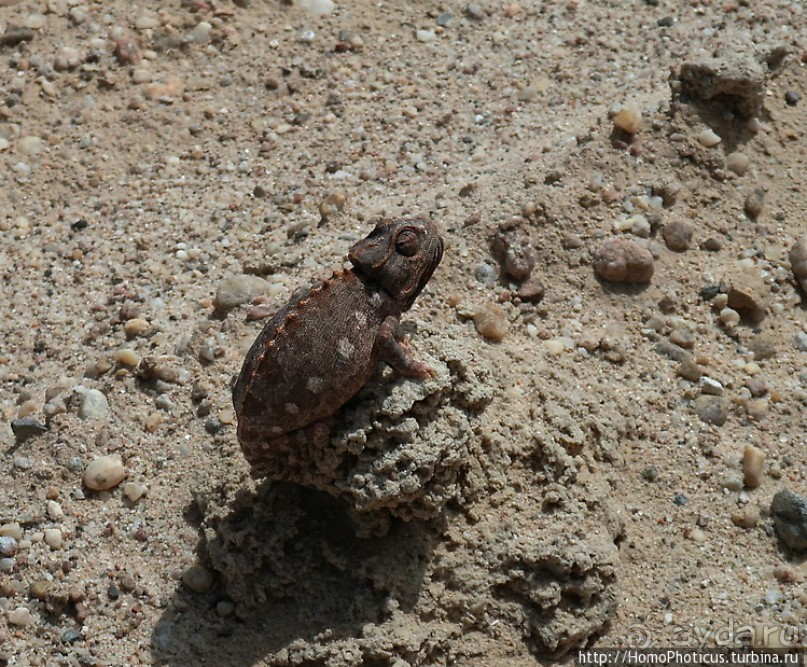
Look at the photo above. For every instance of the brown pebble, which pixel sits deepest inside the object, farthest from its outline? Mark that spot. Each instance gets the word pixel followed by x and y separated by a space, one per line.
pixel 798 261
pixel 757 409
pixel 531 290
pixel 621 260
pixel 689 370
pixel 754 202
pixel 747 520
pixel 785 574
pixel 126 51
pixel 491 321
pixel 713 244
pixel 747 292
pixel 628 120
pixel 756 386
pixel 753 466
pixel 678 235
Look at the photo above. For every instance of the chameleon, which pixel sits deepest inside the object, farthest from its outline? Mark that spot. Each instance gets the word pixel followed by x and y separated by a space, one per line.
pixel 324 344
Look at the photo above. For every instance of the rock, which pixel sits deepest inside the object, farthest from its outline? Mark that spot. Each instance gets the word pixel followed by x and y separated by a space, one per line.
pixel 198 578
pixel 754 202
pixel 747 292
pixel 68 58
pixel 94 404
pixel 137 326
pixel 425 35
pixel 134 491
pixel 104 473
pixel 689 370
pixel 712 409
pixel 30 145
pixel 127 51
pixel 8 546
pixel 798 262
pixel 531 290
pixel 738 163
pixel 12 529
pixel 491 321
pixel 789 511
pixel 753 465
pixel 475 12
pixel 514 250
pixel 238 289
pixel 26 428
pixel 708 138
pixel 15 35
pixel 678 235
pixel 732 481
pixel 629 120
pixel 20 617
pixel 747 520
pixel 710 386
pixel 53 538
pixel 620 260
pixel 320 7
pixel 737 77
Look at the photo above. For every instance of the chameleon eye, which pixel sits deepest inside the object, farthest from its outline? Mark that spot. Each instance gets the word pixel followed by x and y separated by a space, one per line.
pixel 407 243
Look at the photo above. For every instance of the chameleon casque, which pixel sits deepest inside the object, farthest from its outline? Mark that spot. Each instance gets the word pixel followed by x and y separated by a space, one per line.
pixel 323 346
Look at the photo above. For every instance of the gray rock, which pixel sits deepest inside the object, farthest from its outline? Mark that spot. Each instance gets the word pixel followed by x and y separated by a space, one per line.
pixel 712 409
pixel 789 511
pixel 26 428
pixel 94 405
pixel 239 289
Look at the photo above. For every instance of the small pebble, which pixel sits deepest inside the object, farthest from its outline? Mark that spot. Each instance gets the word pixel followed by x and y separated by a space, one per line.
pixel 753 466
pixel 798 262
pixel 136 327
pixel 620 260
pixel 792 98
pixel 127 357
pixel 714 244
pixel 755 202
pixel 320 7
pixel 20 617
pixel 683 338
pixel 12 529
pixel 678 235
pixel 712 409
pixel 201 32
pixel 53 538
pixel 710 386
pixel 198 578
pixel 738 163
pixel 134 491
pixel 689 370
pixel 708 138
pixel 68 58
pixel 8 546
pixel 491 321
pixel 475 12
pixel 425 35
pixel 757 409
pixel 26 428
pixel 629 120
pixel 94 405
pixel 732 481
pixel 54 511
pixel 747 520
pixel 729 317
pixel 236 290
pixel 789 511
pixel 531 290
pixel 104 473
pixel 30 145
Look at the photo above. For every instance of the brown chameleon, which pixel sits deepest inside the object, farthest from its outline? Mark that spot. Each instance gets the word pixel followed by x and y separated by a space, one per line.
pixel 323 345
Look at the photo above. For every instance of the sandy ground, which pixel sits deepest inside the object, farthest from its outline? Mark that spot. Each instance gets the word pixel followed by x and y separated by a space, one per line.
pixel 577 483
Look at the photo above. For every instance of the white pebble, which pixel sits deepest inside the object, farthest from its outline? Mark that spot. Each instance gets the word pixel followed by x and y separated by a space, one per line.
pixel 134 491
pixel 141 75
pixel 30 145
pixel 94 405
pixel 54 510
pixel 708 138
pixel 146 22
pixel 35 21
pixel 11 530
pixel 53 538
pixel 425 35
pixel 738 163
pixel 317 6
pixel 555 346
pixel 201 33
pixel 20 616
pixel 104 473
pixel 729 317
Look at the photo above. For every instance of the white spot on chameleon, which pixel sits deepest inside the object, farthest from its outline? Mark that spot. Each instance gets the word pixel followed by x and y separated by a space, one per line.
pixel 345 348
pixel 375 299
pixel 314 385
pixel 292 408
pixel 361 317
pixel 276 430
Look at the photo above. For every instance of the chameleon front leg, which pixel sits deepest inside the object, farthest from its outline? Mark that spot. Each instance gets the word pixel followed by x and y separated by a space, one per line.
pixel 393 348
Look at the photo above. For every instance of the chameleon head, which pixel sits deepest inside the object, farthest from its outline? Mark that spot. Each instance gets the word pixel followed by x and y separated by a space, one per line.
pixel 399 255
